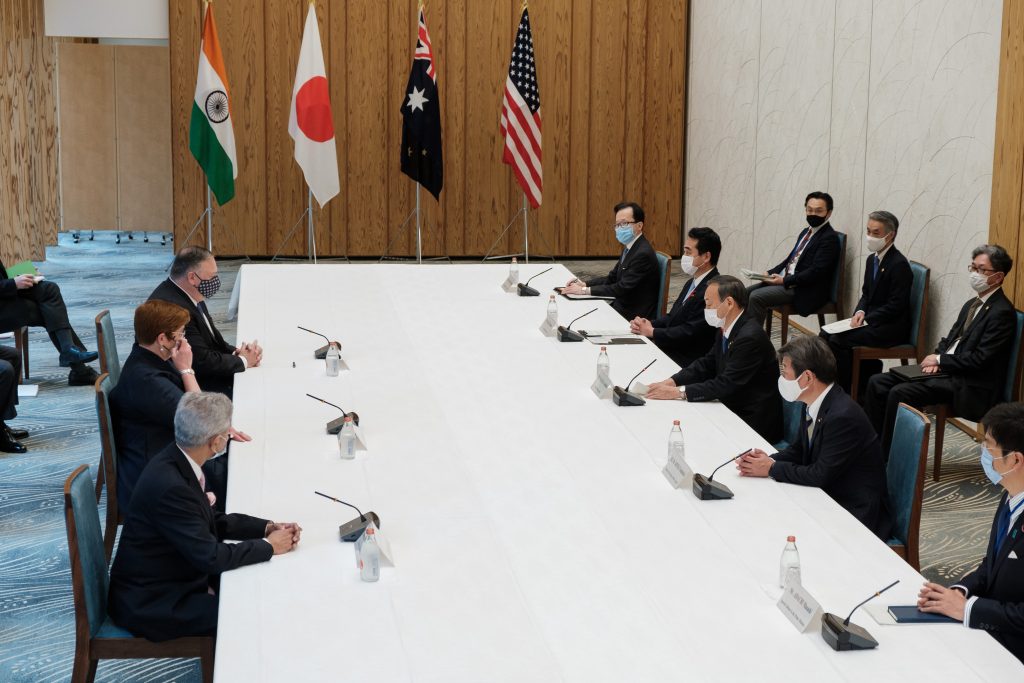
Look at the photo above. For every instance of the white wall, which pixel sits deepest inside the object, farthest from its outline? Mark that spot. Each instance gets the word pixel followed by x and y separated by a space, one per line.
pixel 886 105
pixel 146 19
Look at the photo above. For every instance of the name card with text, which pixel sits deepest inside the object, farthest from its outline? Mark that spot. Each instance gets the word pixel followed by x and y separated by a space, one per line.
pixel 802 610
pixel 602 386
pixel 677 471
pixel 509 285
pixel 549 327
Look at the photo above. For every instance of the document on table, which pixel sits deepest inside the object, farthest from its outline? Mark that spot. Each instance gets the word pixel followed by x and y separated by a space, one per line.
pixel 587 297
pixel 840 326
pixel 753 275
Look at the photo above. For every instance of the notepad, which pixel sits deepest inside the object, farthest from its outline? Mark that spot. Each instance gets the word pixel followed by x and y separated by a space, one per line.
pixel 841 326
pixel 909 614
pixel 754 275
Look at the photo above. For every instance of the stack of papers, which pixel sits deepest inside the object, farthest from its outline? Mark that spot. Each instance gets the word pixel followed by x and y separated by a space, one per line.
pixel 840 326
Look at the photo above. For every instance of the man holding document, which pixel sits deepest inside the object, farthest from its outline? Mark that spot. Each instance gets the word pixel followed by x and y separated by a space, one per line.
pixel 882 316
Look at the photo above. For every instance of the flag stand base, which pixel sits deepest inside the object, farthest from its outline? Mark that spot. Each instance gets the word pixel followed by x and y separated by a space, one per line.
pixel 419 238
pixel 310 235
pixel 526 238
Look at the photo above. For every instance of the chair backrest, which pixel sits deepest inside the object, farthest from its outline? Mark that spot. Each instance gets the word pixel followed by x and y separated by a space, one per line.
pixel 919 306
pixel 839 278
pixel 108 457
pixel 665 269
pixel 908 459
pixel 792 417
pixel 109 362
pixel 89 574
pixel 1016 365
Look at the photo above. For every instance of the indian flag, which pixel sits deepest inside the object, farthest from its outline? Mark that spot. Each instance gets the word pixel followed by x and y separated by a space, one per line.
pixel 210 136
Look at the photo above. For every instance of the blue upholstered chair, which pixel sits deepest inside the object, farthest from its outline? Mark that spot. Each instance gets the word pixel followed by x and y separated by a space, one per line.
pixel 908 460
pixel 1011 392
pixel 792 417
pixel 107 346
pixel 665 270
pixel 108 462
pixel 834 305
pixel 915 347
pixel 96 636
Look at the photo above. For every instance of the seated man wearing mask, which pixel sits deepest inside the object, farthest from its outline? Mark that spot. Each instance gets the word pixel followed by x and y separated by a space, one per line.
pixel 837 450
pixel 683 334
pixel 882 316
pixel 740 369
pixel 193 279
pixel 804 278
pixel 635 281
pixel 992 596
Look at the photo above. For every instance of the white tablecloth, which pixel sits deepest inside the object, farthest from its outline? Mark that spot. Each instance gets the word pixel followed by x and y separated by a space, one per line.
pixel 535 536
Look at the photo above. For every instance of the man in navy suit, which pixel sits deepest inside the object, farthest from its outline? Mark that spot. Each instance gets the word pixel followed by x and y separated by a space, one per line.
pixel 804 277
pixel 683 334
pixel 740 369
pixel 992 596
pixel 166 574
pixel 882 315
pixel 969 364
pixel 635 281
pixel 836 449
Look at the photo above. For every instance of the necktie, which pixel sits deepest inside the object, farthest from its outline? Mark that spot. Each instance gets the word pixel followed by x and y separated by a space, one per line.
pixel 875 276
pixel 1003 525
pixel 809 426
pixel 971 313
pixel 725 343
pixel 800 248
pixel 689 292
pixel 206 316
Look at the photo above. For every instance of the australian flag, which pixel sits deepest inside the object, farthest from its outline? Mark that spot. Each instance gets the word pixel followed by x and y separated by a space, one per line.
pixel 421 119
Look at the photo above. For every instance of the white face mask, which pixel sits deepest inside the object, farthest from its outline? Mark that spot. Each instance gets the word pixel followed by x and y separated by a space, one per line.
pixel 790 388
pixel 711 317
pixel 875 244
pixel 686 263
pixel 979 282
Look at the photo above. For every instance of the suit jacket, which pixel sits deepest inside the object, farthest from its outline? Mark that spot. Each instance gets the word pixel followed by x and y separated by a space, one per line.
pixel 7 286
pixel 635 282
pixel 683 334
pixel 844 459
pixel 811 280
pixel 744 376
pixel 886 300
pixel 142 408
pixel 998 583
pixel 979 366
pixel 172 546
pixel 213 358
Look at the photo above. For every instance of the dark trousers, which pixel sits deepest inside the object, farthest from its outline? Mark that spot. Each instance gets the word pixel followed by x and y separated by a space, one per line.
pixel 10 371
pixel 39 306
pixel 842 348
pixel 761 297
pixel 887 391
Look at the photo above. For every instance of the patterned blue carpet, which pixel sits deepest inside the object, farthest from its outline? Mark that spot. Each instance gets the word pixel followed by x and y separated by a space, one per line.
pixel 36 611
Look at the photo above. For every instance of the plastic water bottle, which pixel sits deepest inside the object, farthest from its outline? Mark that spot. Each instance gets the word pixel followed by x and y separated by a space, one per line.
pixel 604 366
pixel 333 360
pixel 552 318
pixel 676 447
pixel 347 439
pixel 369 557
pixel 513 272
pixel 789 565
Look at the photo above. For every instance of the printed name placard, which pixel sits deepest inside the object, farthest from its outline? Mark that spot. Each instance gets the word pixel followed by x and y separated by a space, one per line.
pixel 602 386
pixel 678 472
pixel 549 327
pixel 509 285
pixel 802 610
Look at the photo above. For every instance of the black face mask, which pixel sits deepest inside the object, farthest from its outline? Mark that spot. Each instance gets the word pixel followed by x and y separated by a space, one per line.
pixel 815 221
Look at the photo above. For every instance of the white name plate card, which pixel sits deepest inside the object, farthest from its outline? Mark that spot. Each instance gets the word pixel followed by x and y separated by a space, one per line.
pixel 802 610
pixel 549 327
pixel 602 386
pixel 360 438
pixel 387 558
pixel 509 285
pixel 678 472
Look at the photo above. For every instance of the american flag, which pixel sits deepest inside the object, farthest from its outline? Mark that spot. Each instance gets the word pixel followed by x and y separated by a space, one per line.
pixel 520 115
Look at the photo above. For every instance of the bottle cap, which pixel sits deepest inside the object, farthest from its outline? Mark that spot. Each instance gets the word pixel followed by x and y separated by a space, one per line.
pixel 675 423
pixel 603 348
pixel 791 539
pixel 551 297
pixel 348 418
pixel 514 260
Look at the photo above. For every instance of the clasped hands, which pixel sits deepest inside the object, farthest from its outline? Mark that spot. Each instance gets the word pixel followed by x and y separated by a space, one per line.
pixel 283 536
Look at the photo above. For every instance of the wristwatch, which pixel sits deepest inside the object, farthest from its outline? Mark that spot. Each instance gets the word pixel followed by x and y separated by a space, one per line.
pixel 682 393
pixel 187 371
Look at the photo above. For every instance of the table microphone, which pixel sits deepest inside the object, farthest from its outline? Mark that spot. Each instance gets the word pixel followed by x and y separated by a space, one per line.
pixel 335 425
pixel 841 635
pixel 321 353
pixel 706 488
pixel 622 397
pixel 565 333
pixel 527 290
pixel 351 531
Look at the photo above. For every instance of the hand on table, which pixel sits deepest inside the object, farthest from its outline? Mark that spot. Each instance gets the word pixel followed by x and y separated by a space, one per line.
pixel 938 599
pixel 283 540
pixel 641 326
pixel 664 390
pixel 754 463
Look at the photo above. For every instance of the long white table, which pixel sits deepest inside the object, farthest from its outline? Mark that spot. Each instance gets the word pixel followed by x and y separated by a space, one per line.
pixel 535 536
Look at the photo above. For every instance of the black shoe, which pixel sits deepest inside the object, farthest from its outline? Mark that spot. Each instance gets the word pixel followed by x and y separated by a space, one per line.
pixel 9 445
pixel 16 434
pixel 84 377
pixel 76 355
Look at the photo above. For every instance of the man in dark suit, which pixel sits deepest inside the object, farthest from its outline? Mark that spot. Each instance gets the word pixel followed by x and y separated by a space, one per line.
pixel 882 315
pixel 10 371
pixel 969 364
pixel 30 301
pixel 166 574
pixel 635 281
pixel 804 278
pixel 992 596
pixel 740 369
pixel 193 279
pixel 837 450
pixel 683 334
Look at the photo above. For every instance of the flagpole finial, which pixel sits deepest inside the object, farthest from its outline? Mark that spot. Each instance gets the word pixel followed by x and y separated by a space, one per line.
pixel 525 3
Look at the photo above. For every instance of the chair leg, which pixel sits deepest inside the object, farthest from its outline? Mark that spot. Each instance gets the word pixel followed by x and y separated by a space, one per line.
pixel 24 352
pixel 940 434
pixel 84 668
pixel 821 320
pixel 785 327
pixel 768 322
pixel 206 659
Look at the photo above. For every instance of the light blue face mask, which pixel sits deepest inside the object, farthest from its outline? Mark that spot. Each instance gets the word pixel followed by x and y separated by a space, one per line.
pixel 986 464
pixel 624 233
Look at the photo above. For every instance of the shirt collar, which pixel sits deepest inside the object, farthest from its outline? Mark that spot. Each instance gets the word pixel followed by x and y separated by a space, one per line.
pixel 728 330
pixel 1015 501
pixel 194 302
pixel 984 299
pixel 881 255
pixel 195 468
pixel 700 278
pixel 812 410
pixel 633 241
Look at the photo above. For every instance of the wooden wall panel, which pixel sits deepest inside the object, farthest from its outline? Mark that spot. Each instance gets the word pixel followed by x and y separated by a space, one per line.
pixel 88 141
pixel 612 79
pixel 142 113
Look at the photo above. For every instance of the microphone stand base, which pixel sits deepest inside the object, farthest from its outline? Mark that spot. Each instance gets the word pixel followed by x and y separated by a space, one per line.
pixel 335 425
pixel 708 489
pixel 351 531
pixel 621 397
pixel 842 637
pixel 321 353
pixel 567 335
pixel 526 290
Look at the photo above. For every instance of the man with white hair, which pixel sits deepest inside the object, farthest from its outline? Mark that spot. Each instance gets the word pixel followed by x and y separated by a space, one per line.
pixel 165 577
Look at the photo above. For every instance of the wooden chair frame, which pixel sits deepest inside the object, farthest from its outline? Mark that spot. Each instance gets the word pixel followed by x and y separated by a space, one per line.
pixel 107 470
pixel 911 551
pixel 834 307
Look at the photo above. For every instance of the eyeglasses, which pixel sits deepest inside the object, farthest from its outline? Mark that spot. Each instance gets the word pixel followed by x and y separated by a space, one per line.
pixel 624 225
pixel 971 268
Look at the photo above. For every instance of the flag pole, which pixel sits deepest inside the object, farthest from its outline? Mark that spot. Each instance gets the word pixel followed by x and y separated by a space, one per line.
pixel 209 220
pixel 526 227
pixel 419 232
pixel 311 239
